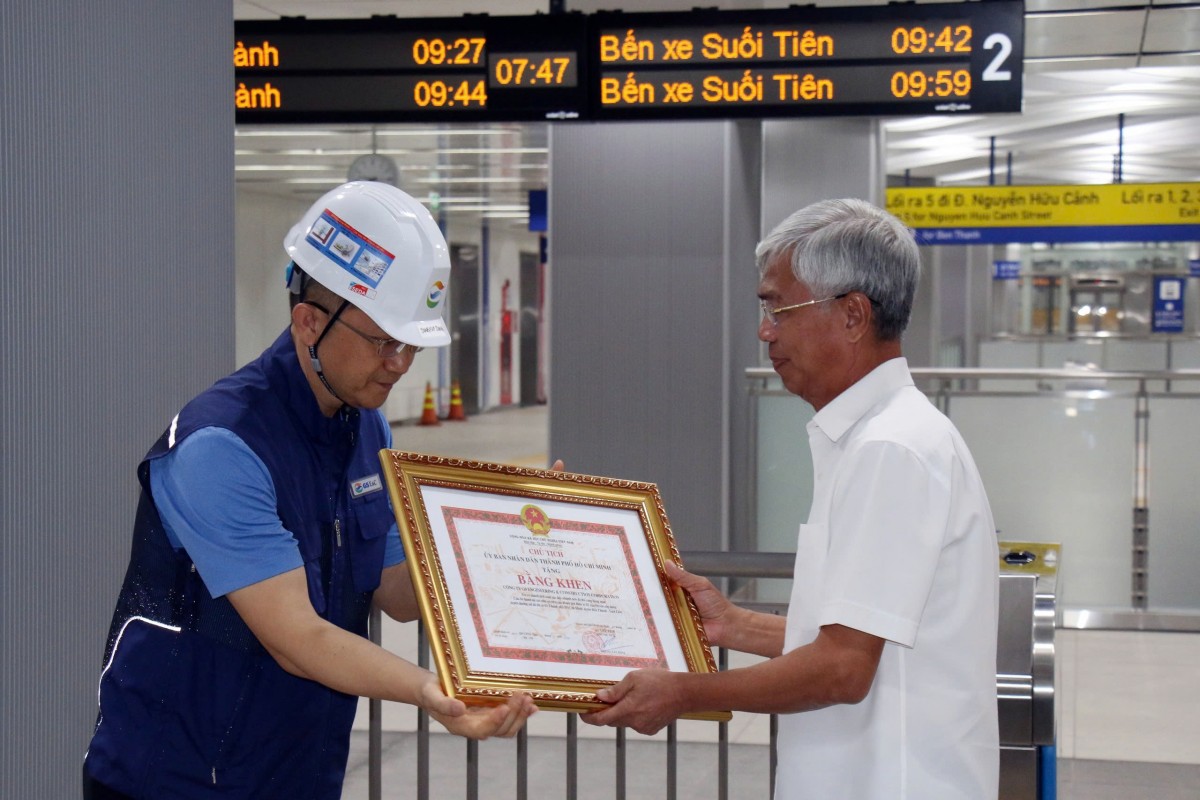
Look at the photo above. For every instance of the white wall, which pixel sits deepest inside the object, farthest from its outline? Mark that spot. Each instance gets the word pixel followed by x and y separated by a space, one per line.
pixel 505 244
pixel 261 311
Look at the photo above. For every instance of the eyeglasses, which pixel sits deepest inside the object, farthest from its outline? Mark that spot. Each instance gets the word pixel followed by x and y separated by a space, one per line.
pixel 385 348
pixel 772 313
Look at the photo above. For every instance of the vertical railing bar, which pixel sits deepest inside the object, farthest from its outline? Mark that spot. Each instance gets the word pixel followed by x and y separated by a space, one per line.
pixel 375 719
pixel 672 764
pixel 472 769
pixel 572 756
pixel 422 720
pixel 774 728
pixel 723 737
pixel 620 745
pixel 1140 550
pixel 1169 365
pixel 523 764
pixel 751 482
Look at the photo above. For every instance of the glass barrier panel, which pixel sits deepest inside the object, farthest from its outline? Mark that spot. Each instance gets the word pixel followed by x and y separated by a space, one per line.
pixel 784 485
pixel 1079 353
pixel 1009 355
pixel 1174 502
pixel 1186 355
pixel 785 475
pixel 1059 469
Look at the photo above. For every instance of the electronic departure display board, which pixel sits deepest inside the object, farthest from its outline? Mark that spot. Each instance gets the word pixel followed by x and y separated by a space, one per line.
pixel 877 60
pixel 799 61
pixel 385 69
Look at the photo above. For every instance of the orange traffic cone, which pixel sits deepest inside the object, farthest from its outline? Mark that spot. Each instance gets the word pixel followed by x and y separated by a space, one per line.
pixel 429 413
pixel 457 414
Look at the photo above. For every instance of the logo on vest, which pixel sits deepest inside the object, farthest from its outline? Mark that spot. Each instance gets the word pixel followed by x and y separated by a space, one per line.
pixel 366 485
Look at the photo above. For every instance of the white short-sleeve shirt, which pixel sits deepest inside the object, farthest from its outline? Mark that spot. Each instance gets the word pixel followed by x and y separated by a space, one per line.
pixel 900 543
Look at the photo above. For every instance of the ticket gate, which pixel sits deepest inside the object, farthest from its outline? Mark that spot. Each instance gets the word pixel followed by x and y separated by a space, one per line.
pixel 1025 670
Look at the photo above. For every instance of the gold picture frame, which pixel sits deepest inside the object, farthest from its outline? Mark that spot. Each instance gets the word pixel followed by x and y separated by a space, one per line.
pixel 550 583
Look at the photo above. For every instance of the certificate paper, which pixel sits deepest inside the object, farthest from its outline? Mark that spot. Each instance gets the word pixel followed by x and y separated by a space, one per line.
pixel 544 582
pixel 567 602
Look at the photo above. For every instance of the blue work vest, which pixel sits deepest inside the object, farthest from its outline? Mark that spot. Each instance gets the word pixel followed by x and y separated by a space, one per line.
pixel 191 704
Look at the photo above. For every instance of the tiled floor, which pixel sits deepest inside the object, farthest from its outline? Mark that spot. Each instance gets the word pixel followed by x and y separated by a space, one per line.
pixel 1128 703
pixel 1080 779
pixel 1128 696
pixel 513 436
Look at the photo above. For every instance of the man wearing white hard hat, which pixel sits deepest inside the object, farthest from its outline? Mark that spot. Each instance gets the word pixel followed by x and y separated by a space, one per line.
pixel 264 535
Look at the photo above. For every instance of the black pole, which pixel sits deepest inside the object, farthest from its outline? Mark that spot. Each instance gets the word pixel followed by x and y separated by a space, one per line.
pixel 992 162
pixel 1008 173
pixel 1117 167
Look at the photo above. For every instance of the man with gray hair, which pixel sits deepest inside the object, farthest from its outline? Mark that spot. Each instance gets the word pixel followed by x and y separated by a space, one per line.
pixel 884 669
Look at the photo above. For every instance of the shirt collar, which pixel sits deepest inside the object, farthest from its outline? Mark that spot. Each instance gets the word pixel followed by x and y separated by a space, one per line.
pixel 841 413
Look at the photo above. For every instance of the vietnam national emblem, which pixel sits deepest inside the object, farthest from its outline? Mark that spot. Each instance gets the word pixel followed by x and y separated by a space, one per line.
pixel 535 519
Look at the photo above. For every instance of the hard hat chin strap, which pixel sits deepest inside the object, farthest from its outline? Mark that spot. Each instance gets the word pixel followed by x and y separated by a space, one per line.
pixel 312 349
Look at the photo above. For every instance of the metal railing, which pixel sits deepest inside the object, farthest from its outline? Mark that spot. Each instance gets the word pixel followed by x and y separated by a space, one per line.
pixel 711 564
pixel 1024 693
pixel 944 386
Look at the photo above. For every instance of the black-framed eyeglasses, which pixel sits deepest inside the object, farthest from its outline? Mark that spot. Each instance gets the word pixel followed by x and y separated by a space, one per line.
pixel 385 348
pixel 772 313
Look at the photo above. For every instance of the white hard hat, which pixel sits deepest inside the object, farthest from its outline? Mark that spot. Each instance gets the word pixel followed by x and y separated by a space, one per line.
pixel 377 247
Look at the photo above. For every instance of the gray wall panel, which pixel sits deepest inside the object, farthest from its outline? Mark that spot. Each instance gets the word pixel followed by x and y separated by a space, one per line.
pixel 806 160
pixel 742 226
pixel 116 286
pixel 919 346
pixel 639 378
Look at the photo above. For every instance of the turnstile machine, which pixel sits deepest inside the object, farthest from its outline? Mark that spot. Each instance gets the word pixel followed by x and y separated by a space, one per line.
pixel 1025 669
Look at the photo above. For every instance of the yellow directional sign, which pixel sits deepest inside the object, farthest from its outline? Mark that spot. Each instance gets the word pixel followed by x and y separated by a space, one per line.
pixel 990 214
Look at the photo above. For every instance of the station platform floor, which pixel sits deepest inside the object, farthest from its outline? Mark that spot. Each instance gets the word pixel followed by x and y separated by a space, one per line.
pixel 1128 703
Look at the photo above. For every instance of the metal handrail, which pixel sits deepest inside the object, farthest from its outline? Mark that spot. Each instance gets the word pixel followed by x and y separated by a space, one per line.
pixel 724 564
pixel 942 384
pixel 983 373
pixel 714 564
pixel 700 562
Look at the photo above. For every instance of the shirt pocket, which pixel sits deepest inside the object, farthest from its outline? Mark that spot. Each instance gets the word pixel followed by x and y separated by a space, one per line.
pixel 373 518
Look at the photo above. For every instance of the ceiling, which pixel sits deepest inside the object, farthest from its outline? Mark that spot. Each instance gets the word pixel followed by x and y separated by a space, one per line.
pixel 1086 63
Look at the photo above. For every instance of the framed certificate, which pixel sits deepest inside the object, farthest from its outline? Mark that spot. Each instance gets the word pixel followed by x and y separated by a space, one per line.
pixel 545 582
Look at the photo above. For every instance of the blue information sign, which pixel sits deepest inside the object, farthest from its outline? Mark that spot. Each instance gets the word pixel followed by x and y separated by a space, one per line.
pixel 1168 304
pixel 538 218
pixel 1006 270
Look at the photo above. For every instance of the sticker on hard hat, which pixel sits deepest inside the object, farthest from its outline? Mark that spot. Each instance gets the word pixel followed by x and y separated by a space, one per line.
pixel 350 250
pixel 431 327
pixel 436 294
